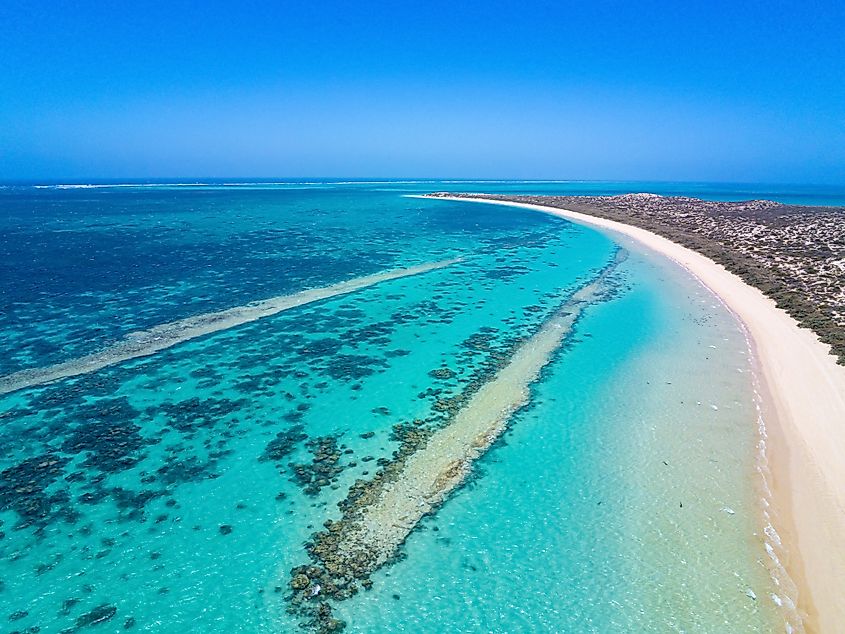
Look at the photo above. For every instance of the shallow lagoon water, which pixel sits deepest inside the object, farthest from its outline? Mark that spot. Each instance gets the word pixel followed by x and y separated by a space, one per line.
pixel 620 501
pixel 178 490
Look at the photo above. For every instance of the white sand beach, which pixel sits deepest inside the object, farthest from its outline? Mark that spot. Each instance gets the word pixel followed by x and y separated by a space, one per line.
pixel 804 416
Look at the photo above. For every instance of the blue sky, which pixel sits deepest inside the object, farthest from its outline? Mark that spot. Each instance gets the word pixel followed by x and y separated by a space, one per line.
pixel 732 91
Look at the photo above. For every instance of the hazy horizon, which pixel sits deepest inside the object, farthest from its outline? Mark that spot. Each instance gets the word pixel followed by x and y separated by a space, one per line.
pixel 307 179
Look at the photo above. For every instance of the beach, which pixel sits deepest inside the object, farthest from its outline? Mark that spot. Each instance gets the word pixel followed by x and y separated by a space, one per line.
pixel 803 409
pixel 530 432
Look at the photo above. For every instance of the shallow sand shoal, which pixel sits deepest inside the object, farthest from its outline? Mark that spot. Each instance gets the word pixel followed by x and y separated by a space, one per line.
pixel 431 473
pixel 804 390
pixel 163 336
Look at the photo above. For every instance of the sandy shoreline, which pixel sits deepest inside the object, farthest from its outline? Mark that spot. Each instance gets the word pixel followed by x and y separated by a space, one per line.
pixel 804 412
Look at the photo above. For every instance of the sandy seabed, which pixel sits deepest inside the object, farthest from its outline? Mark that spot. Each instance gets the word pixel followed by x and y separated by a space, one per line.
pixel 163 336
pixel 803 392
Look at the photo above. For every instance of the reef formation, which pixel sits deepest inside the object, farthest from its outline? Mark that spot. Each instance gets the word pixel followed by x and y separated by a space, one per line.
pixel 147 342
pixel 433 459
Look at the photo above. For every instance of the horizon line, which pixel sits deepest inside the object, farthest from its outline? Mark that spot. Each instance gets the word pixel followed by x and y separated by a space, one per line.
pixel 199 181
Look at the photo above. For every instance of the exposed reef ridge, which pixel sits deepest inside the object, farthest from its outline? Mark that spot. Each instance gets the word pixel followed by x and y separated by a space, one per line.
pixel 431 462
pixel 157 338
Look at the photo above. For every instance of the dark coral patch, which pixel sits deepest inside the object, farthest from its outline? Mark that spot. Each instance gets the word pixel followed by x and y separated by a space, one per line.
pixel 283 444
pixel 323 468
pixel 98 615
pixel 110 439
pixel 194 413
pixel 353 366
pixel 23 487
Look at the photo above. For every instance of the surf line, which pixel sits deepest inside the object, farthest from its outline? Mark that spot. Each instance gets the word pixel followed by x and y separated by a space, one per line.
pixel 157 338
pixel 379 514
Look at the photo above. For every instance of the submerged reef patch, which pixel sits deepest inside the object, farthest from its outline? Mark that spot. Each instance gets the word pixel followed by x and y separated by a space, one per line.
pixel 147 342
pixel 324 466
pixel 23 488
pixel 434 458
pixel 111 441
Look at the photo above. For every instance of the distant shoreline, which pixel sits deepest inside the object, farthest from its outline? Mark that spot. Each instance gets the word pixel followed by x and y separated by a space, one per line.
pixel 804 413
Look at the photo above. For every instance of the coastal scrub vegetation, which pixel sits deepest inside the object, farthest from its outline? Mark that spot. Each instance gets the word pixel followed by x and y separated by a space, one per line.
pixel 794 254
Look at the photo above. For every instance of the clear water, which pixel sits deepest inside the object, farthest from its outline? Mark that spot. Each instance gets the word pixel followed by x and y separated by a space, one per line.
pixel 164 489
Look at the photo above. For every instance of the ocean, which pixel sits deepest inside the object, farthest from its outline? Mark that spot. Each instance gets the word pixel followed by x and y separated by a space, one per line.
pixel 176 489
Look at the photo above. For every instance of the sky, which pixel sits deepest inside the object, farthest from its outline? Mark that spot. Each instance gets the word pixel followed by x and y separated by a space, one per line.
pixel 700 91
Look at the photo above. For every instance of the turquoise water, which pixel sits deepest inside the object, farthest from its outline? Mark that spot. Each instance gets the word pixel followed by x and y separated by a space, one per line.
pixel 175 492
pixel 575 522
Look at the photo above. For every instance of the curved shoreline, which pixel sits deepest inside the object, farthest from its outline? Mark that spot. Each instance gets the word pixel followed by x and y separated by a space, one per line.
pixel 803 394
